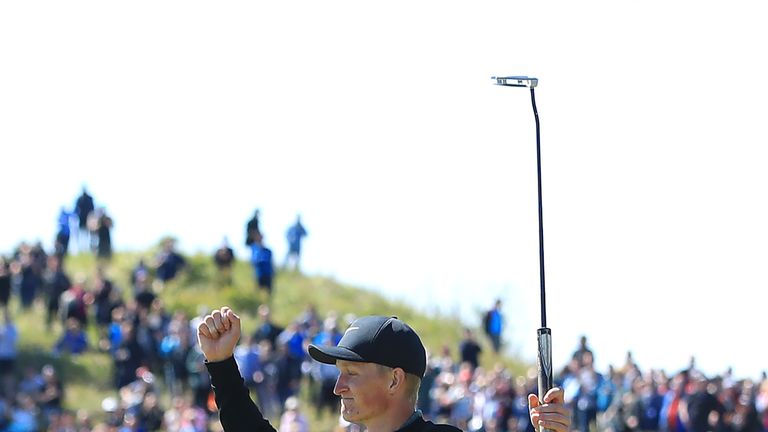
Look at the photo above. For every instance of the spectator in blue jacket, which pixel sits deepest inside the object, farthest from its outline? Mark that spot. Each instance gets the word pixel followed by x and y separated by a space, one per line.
pixel 169 263
pixel 61 245
pixel 263 267
pixel 73 341
pixel 294 235
pixel 493 323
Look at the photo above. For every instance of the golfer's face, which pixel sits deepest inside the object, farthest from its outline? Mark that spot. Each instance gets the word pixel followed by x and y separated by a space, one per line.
pixel 363 390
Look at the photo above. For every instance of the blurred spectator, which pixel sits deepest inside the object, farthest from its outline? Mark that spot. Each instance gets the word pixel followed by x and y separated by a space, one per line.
pixel 266 382
pixel 144 295
pixel 24 416
pixel 294 235
pixel 608 388
pixel 9 340
pixel 291 342
pixel 469 349
pixel 582 350
pixel 5 413
pixel 103 228
pixel 83 421
pixel 169 262
pixel 252 231
pixel 106 297
pixel 330 334
pixel 443 360
pixel 56 283
pixel 61 244
pixel 133 393
pixel 493 323
pixel 174 349
pixel 150 325
pixel 669 418
pixel 761 402
pixel 5 283
pixel 585 407
pixel 224 258
pixel 248 362
pixel 199 380
pixel 30 264
pixel 650 400
pixel 83 208
pixel 140 272
pixel 292 419
pixel 325 375
pixel 309 319
pixel 287 374
pixel 263 268
pixel 114 331
pixel 150 415
pixel 461 398
pixel 185 417
pixel 128 354
pixel 75 302
pixel 52 395
pixel 32 382
pixel 73 340
pixel 423 400
pixel 699 404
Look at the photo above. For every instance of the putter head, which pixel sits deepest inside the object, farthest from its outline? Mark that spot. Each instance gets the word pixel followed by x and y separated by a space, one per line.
pixel 516 81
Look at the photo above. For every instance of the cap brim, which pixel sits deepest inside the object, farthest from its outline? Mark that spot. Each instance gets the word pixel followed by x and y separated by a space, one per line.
pixel 329 354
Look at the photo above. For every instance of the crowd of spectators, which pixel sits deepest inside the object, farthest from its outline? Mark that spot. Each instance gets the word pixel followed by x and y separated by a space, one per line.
pixel 154 358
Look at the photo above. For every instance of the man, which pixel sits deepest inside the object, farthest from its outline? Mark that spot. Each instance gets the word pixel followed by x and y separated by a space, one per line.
pixel 266 329
pixel 381 362
pixel 263 268
pixel 294 235
pixel 83 208
pixel 582 351
pixel 493 323
pixel 61 245
pixel 252 231
pixel 224 258
pixel 168 262
pixel 469 349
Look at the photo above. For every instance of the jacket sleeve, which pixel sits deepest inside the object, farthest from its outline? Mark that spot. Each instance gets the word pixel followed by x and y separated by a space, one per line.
pixel 237 412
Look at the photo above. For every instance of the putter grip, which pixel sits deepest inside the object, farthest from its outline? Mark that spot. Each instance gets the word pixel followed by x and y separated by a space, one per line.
pixel 544 363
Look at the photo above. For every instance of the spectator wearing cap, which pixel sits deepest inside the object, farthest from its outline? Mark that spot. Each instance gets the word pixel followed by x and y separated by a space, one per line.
pixel 381 361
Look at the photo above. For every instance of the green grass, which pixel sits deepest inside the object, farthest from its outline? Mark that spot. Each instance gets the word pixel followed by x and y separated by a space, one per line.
pixel 88 377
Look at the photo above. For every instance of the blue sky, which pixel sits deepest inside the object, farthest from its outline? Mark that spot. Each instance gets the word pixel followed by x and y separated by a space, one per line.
pixel 414 174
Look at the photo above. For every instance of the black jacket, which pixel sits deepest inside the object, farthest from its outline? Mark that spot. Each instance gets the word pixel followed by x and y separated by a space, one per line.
pixel 238 413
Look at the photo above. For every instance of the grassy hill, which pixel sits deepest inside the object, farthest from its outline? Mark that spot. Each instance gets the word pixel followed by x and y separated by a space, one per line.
pixel 88 376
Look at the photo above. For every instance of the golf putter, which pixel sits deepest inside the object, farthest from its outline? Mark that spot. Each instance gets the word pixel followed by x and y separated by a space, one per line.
pixel 544 334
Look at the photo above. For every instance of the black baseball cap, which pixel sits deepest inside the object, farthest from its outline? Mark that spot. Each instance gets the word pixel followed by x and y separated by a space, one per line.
pixel 382 340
